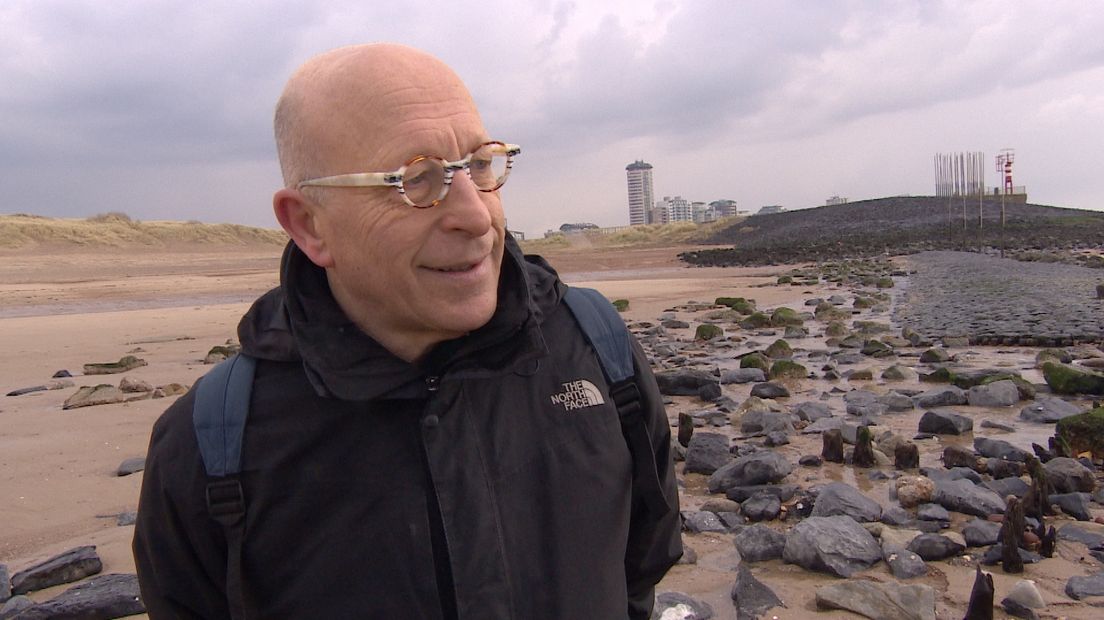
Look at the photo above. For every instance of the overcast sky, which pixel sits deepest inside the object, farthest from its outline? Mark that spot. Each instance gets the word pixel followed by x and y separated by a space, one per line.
pixel 162 109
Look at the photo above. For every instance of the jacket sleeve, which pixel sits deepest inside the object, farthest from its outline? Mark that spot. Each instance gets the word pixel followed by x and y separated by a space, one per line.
pixel 179 551
pixel 655 541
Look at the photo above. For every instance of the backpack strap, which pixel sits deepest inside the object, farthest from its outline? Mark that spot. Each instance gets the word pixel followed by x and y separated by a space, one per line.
pixel 607 334
pixel 219 414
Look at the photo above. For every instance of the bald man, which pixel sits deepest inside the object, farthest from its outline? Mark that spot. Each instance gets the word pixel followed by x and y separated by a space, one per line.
pixel 414 448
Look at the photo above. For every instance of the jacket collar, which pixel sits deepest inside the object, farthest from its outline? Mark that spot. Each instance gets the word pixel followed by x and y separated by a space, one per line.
pixel 301 321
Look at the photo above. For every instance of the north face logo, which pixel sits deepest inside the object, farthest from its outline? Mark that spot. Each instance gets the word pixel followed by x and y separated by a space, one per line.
pixel 577 395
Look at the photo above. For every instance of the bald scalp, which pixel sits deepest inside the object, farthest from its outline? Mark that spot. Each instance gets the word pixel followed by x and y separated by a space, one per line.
pixel 338 103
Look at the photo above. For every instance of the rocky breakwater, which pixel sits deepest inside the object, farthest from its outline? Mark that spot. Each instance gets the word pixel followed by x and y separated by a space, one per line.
pixel 997 301
pixel 830 459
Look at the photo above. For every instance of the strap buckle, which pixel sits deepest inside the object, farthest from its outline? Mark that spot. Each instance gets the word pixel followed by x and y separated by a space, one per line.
pixel 225 498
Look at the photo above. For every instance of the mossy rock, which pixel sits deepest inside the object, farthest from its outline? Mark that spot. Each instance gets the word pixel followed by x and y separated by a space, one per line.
pixel 755 359
pixel 621 304
pixel 779 349
pixel 785 279
pixel 1065 379
pixel 827 312
pixel 783 317
pixel 861 374
pixel 708 331
pixel 757 320
pixel 739 304
pixel 872 327
pixel 725 314
pixel 884 283
pixel 1084 432
pixel 788 369
pixel 939 375
pixel 1060 356
pixel 863 303
pixel 836 329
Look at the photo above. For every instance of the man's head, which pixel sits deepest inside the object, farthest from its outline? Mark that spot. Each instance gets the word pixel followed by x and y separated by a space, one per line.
pixel 408 277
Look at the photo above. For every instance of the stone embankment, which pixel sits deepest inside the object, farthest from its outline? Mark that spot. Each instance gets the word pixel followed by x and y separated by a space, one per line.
pixel 990 300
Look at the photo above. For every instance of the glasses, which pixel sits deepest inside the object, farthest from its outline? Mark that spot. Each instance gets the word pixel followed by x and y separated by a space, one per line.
pixel 424 181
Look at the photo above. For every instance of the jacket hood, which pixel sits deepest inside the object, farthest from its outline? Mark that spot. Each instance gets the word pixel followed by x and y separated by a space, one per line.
pixel 301 321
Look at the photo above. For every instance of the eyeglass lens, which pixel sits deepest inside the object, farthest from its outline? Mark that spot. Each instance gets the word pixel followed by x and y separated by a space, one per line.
pixel 424 179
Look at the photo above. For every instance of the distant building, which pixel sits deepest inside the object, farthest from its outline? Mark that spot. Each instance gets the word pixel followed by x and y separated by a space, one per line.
pixel 678 209
pixel 769 209
pixel 835 200
pixel 641 195
pixel 724 208
pixel 657 215
pixel 577 227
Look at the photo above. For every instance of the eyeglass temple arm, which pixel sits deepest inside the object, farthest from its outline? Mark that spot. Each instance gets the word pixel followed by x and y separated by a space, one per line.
pixel 356 179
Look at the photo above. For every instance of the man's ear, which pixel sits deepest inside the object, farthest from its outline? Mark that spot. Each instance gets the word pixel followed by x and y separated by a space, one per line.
pixel 300 219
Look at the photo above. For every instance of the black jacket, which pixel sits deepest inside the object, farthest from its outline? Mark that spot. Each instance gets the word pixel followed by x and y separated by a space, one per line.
pixel 460 487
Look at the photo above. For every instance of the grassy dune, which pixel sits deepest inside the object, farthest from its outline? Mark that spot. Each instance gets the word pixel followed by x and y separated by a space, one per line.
pixel 679 233
pixel 117 231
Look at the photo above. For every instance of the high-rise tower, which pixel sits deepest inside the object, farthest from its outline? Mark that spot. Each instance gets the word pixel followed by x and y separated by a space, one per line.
pixel 641 198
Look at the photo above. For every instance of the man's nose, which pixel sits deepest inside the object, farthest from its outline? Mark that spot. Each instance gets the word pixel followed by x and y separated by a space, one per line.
pixel 465 208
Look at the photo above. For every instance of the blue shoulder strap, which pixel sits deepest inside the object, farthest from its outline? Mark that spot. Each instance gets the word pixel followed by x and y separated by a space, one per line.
pixel 219 414
pixel 605 330
pixel 607 334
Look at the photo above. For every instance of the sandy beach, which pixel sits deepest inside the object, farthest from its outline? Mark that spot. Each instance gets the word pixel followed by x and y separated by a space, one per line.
pixel 61 310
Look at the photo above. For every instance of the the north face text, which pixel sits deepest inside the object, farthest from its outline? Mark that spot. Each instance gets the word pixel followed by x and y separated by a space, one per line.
pixel 577 395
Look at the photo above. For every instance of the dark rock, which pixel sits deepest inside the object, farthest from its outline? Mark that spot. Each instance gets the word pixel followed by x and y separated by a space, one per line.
pixel 896 516
pixel 958 456
pixel 811 411
pixel 683 382
pixel 944 396
pixel 710 392
pixel 1008 486
pixel 954 473
pixel 1075 505
pixel 935 356
pixel 945 422
pixel 698 610
pixel 1000 449
pixel 1048 410
pixel 765 421
pixel 126 518
pixel 743 375
pixel 108 596
pixel 811 460
pixel 879 600
pixel 933 547
pixel 836 545
pixel 932 512
pixel 966 497
pixel 762 506
pixel 981 533
pixel 895 401
pixel 770 389
pixel 699 521
pixel 996 394
pixel 14 605
pixel 751 597
pixel 1066 379
pixel 784 492
pixel 1067 475
pixel 758 543
pixel 130 466
pixel 66 567
pixel 993 555
pixel 904 564
pixel 760 468
pixel 838 498
pixel 5 584
pixel 776 438
pixel 1077 533
pixel 1079 587
pixel 1000 426
pixel 61 374
pixel 1000 468
pixel 707 453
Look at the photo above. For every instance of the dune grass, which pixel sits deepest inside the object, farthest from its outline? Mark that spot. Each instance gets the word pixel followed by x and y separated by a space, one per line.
pixel 117 230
